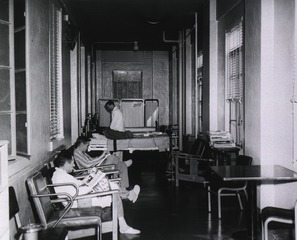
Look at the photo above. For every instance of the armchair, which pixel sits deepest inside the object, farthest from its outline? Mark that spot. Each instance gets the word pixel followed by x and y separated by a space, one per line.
pixel 44 197
pixel 275 214
pixel 108 215
pixel 192 166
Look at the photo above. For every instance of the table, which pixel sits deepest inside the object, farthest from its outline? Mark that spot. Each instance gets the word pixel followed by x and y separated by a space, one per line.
pixel 253 175
pixel 221 151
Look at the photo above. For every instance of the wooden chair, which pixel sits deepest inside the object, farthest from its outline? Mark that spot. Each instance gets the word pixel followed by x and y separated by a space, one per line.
pixel 44 198
pixel 281 215
pixel 192 166
pixel 222 189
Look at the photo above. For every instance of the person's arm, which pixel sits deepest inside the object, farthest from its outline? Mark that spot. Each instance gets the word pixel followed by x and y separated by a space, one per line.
pixel 62 177
pixel 83 160
pixel 114 119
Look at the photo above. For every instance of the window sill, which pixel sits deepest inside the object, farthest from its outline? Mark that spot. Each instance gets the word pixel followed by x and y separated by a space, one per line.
pixel 17 165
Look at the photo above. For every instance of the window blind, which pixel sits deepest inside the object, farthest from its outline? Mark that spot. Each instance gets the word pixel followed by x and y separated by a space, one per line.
pixel 199 90
pixel 234 63
pixel 56 103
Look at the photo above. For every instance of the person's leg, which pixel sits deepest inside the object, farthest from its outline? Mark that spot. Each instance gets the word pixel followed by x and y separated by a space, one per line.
pixel 124 227
pixel 121 167
pixel 132 195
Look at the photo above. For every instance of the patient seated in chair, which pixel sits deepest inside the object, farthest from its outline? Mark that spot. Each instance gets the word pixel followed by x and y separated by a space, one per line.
pixel 84 160
pixel 64 165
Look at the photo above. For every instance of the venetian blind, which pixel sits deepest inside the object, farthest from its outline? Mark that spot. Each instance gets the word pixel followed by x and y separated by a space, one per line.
pixel 234 63
pixel 199 90
pixel 56 103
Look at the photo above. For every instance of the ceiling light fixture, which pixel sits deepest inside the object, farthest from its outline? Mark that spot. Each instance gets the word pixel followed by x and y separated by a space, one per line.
pixel 153 22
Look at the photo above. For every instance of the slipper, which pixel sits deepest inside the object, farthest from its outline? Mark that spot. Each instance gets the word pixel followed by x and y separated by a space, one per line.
pixel 128 162
pixel 130 230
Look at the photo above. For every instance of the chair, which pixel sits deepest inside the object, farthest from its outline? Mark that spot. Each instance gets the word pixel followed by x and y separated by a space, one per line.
pixel 274 214
pixel 108 216
pixel 192 166
pixel 14 207
pixel 68 217
pixel 234 188
pixel 44 234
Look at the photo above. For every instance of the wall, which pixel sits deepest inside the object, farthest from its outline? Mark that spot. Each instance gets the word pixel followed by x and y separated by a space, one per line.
pixel 269 42
pixel 38 75
pixel 154 66
pixel 281 117
pixel 269 35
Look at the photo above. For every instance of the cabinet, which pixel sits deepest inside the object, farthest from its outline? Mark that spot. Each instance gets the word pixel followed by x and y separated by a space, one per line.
pixel 4 206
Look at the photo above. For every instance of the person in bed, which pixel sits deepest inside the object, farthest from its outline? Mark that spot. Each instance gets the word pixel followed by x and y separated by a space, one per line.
pixel 64 164
pixel 84 160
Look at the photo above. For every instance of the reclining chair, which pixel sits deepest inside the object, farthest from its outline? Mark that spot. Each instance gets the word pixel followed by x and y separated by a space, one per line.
pixel 44 199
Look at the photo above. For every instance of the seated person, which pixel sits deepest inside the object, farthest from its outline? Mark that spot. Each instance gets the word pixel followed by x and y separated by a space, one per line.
pixel 64 165
pixel 83 160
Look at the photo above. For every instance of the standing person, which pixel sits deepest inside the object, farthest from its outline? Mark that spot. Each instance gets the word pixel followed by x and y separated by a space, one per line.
pixel 83 160
pixel 64 165
pixel 117 121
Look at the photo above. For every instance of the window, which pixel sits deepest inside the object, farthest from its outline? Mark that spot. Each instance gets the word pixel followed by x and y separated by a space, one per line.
pixel 127 84
pixel 234 63
pixel 56 98
pixel 234 82
pixel 7 85
pixel 20 78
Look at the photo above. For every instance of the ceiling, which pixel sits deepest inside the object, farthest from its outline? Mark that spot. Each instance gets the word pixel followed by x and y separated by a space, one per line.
pixel 118 23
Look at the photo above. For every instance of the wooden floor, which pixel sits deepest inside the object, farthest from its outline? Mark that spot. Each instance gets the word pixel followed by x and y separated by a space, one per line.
pixel 164 212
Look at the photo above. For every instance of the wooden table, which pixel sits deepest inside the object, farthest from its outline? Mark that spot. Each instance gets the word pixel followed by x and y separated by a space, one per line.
pixel 254 175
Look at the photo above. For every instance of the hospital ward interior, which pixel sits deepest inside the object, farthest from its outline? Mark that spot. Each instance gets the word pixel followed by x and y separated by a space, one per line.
pixel 147 119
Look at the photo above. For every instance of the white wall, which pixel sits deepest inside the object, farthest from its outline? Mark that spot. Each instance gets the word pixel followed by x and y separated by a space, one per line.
pixel 269 42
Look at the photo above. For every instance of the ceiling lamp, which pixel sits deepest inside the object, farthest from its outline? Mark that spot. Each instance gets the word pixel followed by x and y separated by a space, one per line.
pixel 153 22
